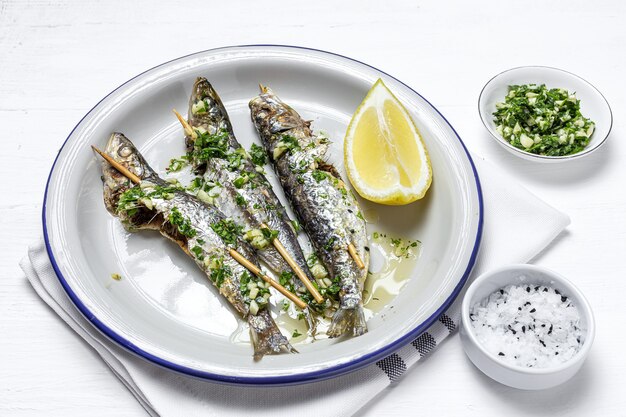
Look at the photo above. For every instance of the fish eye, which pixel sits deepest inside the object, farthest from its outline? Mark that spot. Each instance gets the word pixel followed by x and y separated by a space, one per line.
pixel 124 151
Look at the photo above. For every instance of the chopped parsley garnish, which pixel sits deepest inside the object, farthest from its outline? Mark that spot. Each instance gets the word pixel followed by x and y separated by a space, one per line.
pixel 184 225
pixel 296 333
pixel 196 184
pixel 331 290
pixel 240 181
pixel 258 155
pixel 207 146
pixel 116 276
pixel 128 201
pixel 199 252
pixel 543 121
pixel 228 231
pixel 218 271
pixel 253 290
pixel 176 164
pixel 319 176
pixel 329 244
pixel 284 144
pixel 296 226
pixel 292 142
pixel 269 234
pixel 240 200
pixel 139 196
pixel 311 260
pixel 286 280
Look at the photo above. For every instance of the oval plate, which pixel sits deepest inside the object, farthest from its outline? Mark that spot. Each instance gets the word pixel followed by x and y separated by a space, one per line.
pixel 163 308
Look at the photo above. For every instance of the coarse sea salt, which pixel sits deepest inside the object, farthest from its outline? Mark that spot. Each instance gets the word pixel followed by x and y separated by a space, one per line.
pixel 528 325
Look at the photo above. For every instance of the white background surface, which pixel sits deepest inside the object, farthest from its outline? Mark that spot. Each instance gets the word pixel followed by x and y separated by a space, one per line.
pixel 59 58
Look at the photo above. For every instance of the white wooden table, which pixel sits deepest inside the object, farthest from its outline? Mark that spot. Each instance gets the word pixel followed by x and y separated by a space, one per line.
pixel 58 58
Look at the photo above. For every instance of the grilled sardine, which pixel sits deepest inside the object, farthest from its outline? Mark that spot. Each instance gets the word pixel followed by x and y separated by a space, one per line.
pixel 326 208
pixel 199 229
pixel 237 188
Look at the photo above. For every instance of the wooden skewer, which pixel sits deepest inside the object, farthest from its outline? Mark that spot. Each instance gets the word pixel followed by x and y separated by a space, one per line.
pixel 236 255
pixel 355 256
pixel 256 271
pixel 296 268
pixel 121 168
pixel 186 126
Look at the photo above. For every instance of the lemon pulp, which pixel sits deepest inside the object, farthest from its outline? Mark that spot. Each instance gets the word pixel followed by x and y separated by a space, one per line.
pixel 385 156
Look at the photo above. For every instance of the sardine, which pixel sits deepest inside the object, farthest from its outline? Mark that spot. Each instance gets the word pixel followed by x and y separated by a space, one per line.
pixel 237 188
pixel 200 230
pixel 326 208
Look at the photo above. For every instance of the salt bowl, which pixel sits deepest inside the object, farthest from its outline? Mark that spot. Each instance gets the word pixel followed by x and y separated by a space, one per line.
pixel 526 326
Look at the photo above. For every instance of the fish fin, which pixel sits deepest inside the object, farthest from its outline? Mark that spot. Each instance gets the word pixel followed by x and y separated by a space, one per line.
pixel 348 319
pixel 311 322
pixel 266 337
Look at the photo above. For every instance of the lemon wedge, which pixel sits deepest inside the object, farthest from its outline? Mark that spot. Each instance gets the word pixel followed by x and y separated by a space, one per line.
pixel 384 154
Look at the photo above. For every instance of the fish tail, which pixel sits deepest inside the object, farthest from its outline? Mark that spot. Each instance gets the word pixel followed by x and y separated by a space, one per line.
pixel 266 337
pixel 346 320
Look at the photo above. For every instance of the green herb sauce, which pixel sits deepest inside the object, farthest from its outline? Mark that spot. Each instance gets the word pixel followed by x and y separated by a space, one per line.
pixel 543 121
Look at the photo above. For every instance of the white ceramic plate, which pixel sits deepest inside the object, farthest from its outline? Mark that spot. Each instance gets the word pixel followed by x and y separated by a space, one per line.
pixel 592 105
pixel 163 309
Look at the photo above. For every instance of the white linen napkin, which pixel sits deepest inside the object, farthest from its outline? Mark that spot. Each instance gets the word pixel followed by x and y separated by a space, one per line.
pixel 517 226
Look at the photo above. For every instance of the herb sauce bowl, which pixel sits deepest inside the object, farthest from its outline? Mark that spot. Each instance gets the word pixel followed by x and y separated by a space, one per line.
pixel 513 375
pixel 593 105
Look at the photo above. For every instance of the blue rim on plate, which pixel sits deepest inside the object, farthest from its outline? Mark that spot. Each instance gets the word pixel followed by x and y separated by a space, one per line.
pixel 279 380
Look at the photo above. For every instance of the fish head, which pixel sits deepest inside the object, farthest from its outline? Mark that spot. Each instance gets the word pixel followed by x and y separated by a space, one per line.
pixel 206 109
pixel 272 116
pixel 124 152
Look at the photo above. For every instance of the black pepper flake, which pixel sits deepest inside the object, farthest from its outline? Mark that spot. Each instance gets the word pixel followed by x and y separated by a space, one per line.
pixel 527 303
pixel 545 290
pixel 523 329
pixel 563 298
pixel 550 330
pixel 556 353
pixel 519 308
pixel 533 310
pixel 527 289
pixel 501 354
pixel 557 291
pixel 543 343
pixel 512 330
pixel 367 248
pixel 537 288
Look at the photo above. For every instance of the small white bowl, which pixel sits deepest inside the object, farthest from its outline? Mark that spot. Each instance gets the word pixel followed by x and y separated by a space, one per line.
pixel 593 105
pixel 512 375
